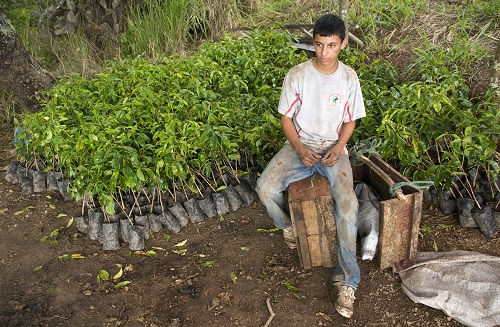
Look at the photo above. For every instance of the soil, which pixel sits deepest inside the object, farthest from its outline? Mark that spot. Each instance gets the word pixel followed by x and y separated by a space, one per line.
pixel 230 275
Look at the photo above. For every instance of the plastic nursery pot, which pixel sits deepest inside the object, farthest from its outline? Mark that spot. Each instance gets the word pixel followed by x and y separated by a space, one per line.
pixel 465 206
pixel 251 179
pixel 207 205
pixel 447 203
pixel 52 177
pixel 96 218
pixel 246 193
pixel 235 200
pixel 116 217
pixel 20 172
pixel 179 213
pixel 39 182
pixel 82 224
pixel 136 238
pixel 169 221
pixel 221 203
pixel 154 223
pixel 142 222
pixel 496 215
pixel 26 185
pixel 485 221
pixel 110 235
pixel 125 225
pixel 10 175
pixel 62 186
pixel 195 214
pixel 157 209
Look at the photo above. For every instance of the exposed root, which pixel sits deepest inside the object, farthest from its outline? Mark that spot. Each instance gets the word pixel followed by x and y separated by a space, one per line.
pixel 271 312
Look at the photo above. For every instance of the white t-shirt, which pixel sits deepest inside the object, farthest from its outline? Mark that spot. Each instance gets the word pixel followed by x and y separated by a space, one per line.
pixel 320 104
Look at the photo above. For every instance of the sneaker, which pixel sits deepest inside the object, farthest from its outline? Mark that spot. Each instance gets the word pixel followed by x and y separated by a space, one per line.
pixel 290 238
pixel 345 301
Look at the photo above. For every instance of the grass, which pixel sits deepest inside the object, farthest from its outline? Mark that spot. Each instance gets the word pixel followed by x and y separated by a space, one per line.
pixel 166 27
pixel 7 107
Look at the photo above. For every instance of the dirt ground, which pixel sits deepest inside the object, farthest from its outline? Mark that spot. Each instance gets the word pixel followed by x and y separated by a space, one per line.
pixel 224 278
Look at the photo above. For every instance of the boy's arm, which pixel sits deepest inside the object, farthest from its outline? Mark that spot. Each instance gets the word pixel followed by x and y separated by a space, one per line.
pixel 331 156
pixel 306 154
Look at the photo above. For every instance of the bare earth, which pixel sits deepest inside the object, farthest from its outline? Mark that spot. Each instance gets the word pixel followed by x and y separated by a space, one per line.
pixel 41 288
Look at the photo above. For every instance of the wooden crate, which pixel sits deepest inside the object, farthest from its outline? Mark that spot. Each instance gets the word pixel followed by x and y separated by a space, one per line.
pixel 399 220
pixel 311 211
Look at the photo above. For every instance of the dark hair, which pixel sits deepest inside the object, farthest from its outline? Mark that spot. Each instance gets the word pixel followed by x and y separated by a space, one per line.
pixel 329 25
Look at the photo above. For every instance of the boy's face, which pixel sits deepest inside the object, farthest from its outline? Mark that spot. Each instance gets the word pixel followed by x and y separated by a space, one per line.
pixel 328 48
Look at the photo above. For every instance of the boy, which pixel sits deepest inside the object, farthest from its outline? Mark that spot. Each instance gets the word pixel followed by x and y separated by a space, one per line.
pixel 320 101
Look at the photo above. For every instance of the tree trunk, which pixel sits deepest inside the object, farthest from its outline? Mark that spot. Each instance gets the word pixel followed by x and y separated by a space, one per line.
pixel 343 10
pixel 20 75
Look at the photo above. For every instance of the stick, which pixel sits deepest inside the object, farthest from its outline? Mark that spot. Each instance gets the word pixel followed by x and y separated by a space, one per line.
pixel 383 175
pixel 271 312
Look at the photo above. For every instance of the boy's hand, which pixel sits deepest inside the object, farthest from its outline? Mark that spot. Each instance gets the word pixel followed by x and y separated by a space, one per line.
pixel 331 156
pixel 307 155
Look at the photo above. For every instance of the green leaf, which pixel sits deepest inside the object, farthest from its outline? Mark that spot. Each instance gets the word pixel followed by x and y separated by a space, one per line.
pixel 122 284
pixel 208 263
pixel 118 275
pixel 23 210
pixel 181 243
pixel 426 228
pixel 140 175
pixel 444 226
pixel 233 277
pixel 103 275
pixel 434 245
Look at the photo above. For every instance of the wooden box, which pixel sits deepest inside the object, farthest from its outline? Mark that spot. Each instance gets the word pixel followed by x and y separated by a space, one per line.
pixel 311 210
pixel 311 204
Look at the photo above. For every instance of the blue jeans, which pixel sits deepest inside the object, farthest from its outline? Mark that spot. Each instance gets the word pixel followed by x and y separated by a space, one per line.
pixel 286 168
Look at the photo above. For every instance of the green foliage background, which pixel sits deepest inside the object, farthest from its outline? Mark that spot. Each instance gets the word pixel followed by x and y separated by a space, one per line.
pixel 182 120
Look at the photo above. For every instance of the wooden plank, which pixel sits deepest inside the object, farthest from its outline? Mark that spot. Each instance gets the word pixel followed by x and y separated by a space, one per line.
pixel 309 188
pixel 416 218
pixel 310 214
pixel 388 238
pixel 314 250
pixel 300 231
pixel 327 231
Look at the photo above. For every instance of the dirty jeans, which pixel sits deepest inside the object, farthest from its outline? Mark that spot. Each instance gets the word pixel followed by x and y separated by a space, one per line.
pixel 286 168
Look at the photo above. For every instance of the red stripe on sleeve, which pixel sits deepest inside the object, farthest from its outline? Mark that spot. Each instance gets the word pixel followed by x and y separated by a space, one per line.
pixel 294 103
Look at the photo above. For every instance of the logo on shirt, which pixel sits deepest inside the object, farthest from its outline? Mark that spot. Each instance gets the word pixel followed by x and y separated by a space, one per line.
pixel 335 100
